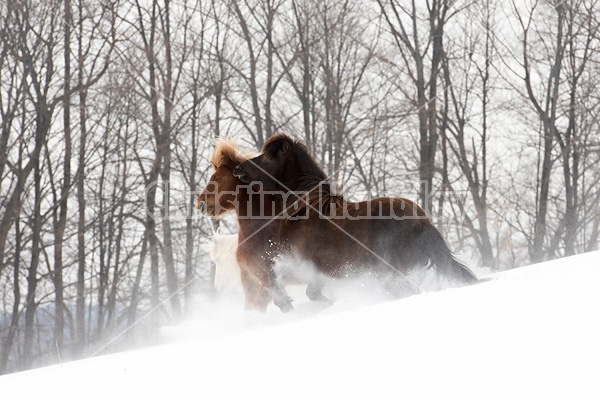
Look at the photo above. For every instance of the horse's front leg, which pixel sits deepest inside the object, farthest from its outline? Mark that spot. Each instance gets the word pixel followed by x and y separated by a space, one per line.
pixel 261 285
pixel 280 296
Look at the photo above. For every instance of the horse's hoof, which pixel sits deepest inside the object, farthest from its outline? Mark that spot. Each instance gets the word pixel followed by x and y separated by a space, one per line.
pixel 322 299
pixel 315 295
pixel 327 301
pixel 286 308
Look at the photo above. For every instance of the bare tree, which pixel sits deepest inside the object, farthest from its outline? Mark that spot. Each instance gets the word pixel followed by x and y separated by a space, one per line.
pixel 32 47
pixel 581 39
pixel 419 36
pixel 546 108
pixel 569 43
pixel 470 150
pixel 159 24
pixel 257 23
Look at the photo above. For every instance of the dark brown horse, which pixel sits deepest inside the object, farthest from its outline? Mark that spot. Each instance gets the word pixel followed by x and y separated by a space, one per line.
pixel 258 216
pixel 388 237
pixel 256 232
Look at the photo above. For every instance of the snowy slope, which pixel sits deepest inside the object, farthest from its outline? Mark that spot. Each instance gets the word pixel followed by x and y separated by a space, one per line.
pixel 532 333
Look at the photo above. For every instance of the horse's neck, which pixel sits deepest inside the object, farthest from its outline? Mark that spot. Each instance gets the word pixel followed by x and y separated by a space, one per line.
pixel 260 205
pixel 292 177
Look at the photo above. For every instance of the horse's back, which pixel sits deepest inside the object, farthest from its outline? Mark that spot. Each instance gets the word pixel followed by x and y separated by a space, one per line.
pixel 382 208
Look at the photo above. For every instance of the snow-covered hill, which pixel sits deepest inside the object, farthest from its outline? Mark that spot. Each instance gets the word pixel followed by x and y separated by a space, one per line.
pixel 532 333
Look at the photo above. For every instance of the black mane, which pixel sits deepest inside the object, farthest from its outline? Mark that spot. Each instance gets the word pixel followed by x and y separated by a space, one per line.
pixel 311 177
pixel 310 173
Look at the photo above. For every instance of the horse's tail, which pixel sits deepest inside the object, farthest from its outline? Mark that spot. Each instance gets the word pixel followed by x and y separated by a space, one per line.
pixel 445 263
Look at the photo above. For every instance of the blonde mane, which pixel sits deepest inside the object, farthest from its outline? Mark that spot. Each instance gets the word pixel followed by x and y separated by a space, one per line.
pixel 226 152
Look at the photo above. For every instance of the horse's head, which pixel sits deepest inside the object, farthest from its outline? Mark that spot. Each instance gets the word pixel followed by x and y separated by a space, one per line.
pixel 275 167
pixel 219 195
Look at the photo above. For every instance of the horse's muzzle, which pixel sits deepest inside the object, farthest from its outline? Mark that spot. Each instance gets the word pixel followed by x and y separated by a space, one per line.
pixel 202 206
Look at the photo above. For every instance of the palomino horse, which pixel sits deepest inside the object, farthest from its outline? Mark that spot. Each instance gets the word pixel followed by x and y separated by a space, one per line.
pixel 223 193
pixel 388 237
pixel 227 270
pixel 257 215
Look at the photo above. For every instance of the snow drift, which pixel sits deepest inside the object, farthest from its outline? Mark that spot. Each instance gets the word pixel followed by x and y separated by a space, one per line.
pixel 530 333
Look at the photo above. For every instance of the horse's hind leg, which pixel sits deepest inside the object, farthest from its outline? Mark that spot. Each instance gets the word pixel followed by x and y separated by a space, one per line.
pixel 314 291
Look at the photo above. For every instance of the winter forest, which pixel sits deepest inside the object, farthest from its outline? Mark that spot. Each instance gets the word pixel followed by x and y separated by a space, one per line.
pixel 485 111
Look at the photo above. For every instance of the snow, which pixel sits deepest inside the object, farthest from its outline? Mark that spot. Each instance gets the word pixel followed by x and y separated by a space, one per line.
pixel 531 332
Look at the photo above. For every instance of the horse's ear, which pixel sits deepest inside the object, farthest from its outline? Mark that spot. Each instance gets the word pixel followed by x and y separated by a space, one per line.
pixel 226 160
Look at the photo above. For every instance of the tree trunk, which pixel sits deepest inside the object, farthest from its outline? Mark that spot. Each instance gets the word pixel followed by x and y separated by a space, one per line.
pixel 548 117
pixel 165 147
pixel 59 229
pixel 14 320
pixel 80 332
pixel 42 126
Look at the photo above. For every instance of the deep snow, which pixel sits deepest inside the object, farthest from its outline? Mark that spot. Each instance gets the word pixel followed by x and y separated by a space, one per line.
pixel 530 333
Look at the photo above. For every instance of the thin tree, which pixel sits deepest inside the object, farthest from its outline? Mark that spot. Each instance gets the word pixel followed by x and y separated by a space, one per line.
pixel 471 151
pixel 420 41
